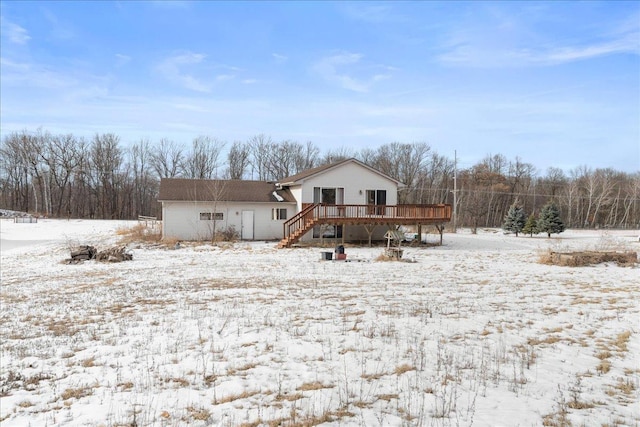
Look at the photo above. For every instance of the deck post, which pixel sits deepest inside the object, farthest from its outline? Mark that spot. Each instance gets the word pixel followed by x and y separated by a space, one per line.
pixel 369 229
pixel 440 229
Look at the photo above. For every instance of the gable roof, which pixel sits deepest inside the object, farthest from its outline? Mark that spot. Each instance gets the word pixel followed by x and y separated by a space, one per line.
pixel 210 190
pixel 297 178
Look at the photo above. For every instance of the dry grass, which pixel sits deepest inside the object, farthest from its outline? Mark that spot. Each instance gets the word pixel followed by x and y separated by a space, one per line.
pixel 76 393
pixel 403 369
pixel 199 414
pixel 622 340
pixel 552 339
pixel 89 362
pixel 290 397
pixel 604 366
pixel 578 404
pixel 388 397
pixel 586 258
pixel 140 233
pixel 25 404
pixel 179 382
pixel 385 258
pixel 398 342
pixel 625 386
pixel 558 419
pixel 317 385
pixel 233 397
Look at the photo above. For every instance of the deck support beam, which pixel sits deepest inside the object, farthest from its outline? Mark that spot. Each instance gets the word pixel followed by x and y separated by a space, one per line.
pixel 440 228
pixel 369 229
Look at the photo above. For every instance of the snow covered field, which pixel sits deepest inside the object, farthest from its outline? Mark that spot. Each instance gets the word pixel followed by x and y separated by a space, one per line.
pixel 475 332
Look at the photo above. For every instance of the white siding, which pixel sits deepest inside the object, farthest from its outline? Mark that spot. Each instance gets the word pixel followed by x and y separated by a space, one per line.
pixel 181 220
pixel 296 192
pixel 355 179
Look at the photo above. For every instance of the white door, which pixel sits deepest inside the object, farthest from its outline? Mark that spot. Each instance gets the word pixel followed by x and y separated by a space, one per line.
pixel 247 225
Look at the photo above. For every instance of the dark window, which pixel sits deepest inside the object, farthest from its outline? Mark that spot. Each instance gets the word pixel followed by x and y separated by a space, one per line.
pixel 209 216
pixel 328 231
pixel 279 213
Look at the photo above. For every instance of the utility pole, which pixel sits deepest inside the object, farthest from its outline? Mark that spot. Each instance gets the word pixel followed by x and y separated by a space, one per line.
pixel 455 191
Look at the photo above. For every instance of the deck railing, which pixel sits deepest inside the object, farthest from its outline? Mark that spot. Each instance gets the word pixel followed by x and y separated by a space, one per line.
pixel 317 213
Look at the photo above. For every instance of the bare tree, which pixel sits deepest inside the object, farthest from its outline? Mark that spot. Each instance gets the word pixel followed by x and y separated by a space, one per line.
pixel 306 157
pixel 67 175
pixel 259 159
pixel 63 157
pixel 483 187
pixel 238 160
pixel 106 178
pixel 337 155
pixel 166 159
pixel 403 162
pixel 15 173
pixel 203 160
pixel 145 187
pixel 435 181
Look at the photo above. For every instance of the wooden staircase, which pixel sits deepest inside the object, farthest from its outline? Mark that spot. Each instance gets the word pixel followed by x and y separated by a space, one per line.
pixel 298 226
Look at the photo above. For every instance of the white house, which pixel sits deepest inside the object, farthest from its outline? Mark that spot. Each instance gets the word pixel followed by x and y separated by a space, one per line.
pixel 348 182
pixel 346 200
pixel 195 209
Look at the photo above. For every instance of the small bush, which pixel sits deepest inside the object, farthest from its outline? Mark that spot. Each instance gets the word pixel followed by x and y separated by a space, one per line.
pixel 228 234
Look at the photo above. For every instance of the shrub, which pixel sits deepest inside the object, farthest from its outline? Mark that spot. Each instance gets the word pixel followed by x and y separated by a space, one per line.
pixel 228 234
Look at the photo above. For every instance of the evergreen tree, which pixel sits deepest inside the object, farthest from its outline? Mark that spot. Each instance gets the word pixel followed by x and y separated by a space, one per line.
pixel 549 220
pixel 531 226
pixel 514 220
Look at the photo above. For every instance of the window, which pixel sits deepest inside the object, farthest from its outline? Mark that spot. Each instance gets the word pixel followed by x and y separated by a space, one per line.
pixel 209 216
pixel 327 231
pixel 279 213
pixel 328 196
pixel 376 197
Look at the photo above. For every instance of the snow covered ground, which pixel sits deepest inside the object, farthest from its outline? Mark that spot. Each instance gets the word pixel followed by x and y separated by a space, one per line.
pixel 475 332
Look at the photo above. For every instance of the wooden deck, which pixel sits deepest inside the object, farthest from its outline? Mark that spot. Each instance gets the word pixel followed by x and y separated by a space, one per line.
pixel 366 215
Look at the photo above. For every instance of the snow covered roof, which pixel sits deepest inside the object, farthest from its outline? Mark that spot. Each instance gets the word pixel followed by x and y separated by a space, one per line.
pixel 234 190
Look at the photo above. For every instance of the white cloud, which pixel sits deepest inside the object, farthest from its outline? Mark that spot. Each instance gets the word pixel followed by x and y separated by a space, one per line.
pixel 627 44
pixel 173 67
pixel 25 74
pixel 279 58
pixel 336 69
pixel 473 55
pixel 511 43
pixel 59 29
pixel 14 32
pixel 122 59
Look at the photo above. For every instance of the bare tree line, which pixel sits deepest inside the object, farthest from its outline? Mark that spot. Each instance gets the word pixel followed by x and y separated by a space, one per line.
pixel 69 176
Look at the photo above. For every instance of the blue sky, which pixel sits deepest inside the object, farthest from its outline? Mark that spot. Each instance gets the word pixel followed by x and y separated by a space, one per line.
pixel 554 83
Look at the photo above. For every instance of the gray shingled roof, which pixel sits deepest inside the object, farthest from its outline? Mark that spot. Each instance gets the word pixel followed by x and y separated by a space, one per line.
pixel 314 171
pixel 205 190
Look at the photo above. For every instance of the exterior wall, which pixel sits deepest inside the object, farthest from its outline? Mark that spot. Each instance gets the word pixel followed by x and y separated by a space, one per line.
pixel 181 220
pixel 296 192
pixel 351 233
pixel 355 179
